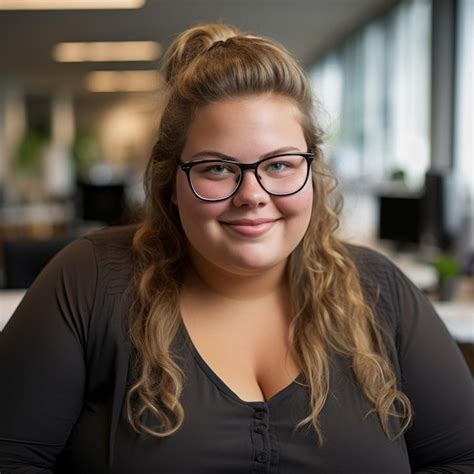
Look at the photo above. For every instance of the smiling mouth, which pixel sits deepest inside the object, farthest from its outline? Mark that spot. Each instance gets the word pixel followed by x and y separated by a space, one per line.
pixel 250 228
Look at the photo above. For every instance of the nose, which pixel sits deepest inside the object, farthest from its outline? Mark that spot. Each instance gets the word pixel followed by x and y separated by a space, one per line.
pixel 250 193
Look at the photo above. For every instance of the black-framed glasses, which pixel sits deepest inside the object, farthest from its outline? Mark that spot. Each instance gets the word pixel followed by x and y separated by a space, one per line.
pixel 279 175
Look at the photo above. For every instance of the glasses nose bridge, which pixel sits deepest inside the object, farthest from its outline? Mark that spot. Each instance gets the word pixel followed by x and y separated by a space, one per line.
pixel 249 167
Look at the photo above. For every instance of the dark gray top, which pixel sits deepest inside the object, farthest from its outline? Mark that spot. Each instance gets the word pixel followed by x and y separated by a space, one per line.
pixel 64 367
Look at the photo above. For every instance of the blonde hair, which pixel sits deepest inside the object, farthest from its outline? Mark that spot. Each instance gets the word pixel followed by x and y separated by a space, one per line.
pixel 324 283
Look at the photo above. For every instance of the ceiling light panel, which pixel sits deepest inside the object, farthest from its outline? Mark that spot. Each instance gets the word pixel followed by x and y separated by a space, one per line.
pixel 107 51
pixel 70 4
pixel 126 81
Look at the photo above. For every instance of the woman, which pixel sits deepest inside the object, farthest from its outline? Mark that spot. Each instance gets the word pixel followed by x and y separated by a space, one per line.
pixel 231 331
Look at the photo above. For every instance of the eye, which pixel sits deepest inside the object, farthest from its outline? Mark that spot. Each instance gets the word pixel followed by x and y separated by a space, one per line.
pixel 217 168
pixel 214 170
pixel 278 166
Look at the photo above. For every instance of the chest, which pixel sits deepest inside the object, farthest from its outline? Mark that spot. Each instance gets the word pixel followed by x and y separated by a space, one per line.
pixel 251 356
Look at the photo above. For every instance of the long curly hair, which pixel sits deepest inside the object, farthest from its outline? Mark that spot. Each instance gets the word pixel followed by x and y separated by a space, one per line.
pixel 323 281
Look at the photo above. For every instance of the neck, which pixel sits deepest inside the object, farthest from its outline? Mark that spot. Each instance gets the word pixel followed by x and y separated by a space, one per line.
pixel 210 278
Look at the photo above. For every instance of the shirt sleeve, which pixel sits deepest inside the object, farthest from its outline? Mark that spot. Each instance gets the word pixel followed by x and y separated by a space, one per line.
pixel 437 381
pixel 42 363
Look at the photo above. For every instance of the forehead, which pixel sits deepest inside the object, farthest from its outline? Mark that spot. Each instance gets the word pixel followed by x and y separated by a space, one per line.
pixel 250 125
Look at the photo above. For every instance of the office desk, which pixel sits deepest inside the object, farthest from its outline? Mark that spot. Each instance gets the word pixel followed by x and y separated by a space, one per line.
pixel 459 319
pixel 35 221
pixel 9 300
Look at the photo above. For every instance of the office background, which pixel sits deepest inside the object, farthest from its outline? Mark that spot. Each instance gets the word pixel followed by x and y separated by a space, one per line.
pixel 393 81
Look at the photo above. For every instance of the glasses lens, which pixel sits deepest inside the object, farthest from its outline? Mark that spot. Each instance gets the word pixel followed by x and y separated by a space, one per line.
pixel 283 174
pixel 214 179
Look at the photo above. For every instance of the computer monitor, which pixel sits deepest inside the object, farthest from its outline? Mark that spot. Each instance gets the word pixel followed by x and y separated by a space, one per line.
pixel 103 203
pixel 400 219
pixel 430 218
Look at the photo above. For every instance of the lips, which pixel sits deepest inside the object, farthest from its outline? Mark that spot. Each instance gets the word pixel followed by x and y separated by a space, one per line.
pixel 250 227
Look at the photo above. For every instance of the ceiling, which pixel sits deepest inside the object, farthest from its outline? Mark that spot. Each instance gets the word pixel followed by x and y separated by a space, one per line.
pixel 308 28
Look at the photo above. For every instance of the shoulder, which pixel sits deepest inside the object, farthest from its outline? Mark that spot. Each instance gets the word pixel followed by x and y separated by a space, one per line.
pixel 97 262
pixel 104 270
pixel 121 234
pixel 377 269
pixel 110 250
pixel 112 247
pixel 397 300
pixel 366 258
pixel 382 285
pixel 374 269
pixel 97 251
pixel 113 238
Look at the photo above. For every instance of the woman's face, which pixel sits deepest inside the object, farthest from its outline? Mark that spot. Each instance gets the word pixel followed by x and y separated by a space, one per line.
pixel 224 234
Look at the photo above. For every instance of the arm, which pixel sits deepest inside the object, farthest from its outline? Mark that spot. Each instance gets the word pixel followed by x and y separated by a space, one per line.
pixel 42 367
pixel 437 381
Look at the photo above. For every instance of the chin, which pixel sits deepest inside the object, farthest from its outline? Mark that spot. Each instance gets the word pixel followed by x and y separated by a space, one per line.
pixel 252 263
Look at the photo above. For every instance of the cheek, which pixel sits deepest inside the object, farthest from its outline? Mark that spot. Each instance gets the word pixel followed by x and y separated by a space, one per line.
pixel 193 212
pixel 298 205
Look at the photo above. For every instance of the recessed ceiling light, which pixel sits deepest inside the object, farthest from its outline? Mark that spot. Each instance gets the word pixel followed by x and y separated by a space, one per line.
pixel 107 51
pixel 69 4
pixel 126 81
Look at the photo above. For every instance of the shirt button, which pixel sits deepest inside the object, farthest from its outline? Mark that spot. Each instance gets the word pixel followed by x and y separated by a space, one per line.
pixel 260 415
pixel 262 457
pixel 259 429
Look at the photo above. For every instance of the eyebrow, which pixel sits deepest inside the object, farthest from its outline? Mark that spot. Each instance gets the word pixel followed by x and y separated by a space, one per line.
pixel 223 156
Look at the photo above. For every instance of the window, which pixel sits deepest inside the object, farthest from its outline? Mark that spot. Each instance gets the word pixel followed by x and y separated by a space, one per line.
pixel 376 89
pixel 464 100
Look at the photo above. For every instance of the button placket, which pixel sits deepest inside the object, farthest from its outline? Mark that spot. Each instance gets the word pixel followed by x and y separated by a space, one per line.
pixel 259 427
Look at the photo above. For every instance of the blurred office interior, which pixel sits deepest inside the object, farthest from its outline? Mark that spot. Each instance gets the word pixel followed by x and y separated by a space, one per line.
pixel 80 103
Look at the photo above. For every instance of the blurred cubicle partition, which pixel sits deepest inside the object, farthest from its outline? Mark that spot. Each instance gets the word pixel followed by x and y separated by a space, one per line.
pixel 25 258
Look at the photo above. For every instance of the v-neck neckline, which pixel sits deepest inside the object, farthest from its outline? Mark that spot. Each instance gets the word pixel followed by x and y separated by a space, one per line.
pixel 221 385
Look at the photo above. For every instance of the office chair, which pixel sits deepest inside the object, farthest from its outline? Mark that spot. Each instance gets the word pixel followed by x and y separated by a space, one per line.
pixel 25 258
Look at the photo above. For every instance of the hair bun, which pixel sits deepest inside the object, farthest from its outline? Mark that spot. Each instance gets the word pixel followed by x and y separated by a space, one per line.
pixel 193 42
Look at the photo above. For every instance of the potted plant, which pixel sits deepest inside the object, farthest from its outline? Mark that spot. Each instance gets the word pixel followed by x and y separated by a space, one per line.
pixel 448 269
pixel 27 165
pixel 86 153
